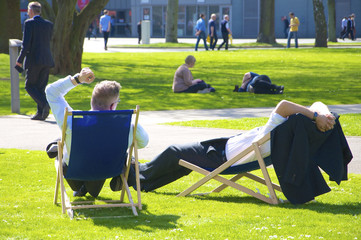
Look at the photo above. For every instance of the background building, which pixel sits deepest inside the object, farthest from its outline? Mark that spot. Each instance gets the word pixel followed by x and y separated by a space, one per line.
pixel 244 15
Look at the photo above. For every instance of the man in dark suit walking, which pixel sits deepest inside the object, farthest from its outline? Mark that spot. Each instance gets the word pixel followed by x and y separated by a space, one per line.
pixel 38 60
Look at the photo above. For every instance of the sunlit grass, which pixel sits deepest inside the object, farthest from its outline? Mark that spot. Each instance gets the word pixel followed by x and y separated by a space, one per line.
pixel 27 180
pixel 328 75
pixel 350 123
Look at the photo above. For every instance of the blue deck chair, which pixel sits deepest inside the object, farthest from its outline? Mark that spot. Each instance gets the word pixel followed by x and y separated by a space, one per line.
pixel 239 171
pixel 99 150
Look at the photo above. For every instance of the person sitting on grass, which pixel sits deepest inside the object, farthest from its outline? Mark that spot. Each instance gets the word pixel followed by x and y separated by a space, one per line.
pixel 259 84
pixel 210 154
pixel 105 96
pixel 183 81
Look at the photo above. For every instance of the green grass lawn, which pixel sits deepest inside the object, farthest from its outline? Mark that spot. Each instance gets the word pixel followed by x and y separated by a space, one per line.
pixel 328 75
pixel 351 123
pixel 27 180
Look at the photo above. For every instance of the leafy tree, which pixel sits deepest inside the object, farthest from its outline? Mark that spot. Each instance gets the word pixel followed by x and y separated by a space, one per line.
pixel 172 22
pixel 9 9
pixel 320 24
pixel 331 21
pixel 70 27
pixel 267 19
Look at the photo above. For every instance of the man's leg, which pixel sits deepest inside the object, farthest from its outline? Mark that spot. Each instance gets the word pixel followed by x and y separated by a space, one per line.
pixel 215 41
pixel 165 168
pixel 226 37
pixel 196 87
pixel 198 39
pixel 211 43
pixel 289 39
pixel 34 85
pixel 224 41
pixel 202 35
pixel 296 39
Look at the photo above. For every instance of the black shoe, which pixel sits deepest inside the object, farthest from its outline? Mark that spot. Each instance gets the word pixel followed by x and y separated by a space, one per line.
pixel 116 184
pixel 46 111
pixel 81 193
pixel 212 89
pixel 236 88
pixel 37 116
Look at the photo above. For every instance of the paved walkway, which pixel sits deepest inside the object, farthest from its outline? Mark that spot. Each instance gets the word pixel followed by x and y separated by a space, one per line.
pixel 18 131
pixel 96 45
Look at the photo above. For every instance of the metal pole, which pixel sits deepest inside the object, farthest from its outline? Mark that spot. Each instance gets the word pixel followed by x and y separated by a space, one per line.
pixel 14 45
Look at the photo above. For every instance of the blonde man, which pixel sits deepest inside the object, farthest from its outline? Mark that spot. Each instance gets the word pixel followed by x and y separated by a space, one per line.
pixel 105 96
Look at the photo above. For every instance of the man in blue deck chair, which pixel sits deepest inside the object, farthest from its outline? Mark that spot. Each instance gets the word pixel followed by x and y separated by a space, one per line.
pixel 210 154
pixel 105 96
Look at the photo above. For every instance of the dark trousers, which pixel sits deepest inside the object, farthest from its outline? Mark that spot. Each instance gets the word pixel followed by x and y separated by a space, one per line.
pixel 348 31
pixel 213 42
pixel 106 36
pixel 202 35
pixel 196 87
pixel 36 79
pixel 225 41
pixel 93 187
pixel 165 169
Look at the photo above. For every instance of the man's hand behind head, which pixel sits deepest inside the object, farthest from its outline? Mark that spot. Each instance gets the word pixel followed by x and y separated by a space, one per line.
pixel 86 76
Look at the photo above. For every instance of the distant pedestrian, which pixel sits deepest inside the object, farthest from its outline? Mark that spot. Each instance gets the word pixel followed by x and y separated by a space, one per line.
pixel 201 31
pixel 343 26
pixel 294 23
pixel 212 31
pixel 105 27
pixel 353 25
pixel 35 50
pixel 285 26
pixel 139 30
pixel 349 30
pixel 226 31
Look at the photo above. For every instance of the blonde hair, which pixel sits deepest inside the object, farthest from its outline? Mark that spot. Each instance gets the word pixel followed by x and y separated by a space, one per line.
pixel 104 94
pixel 190 59
pixel 36 7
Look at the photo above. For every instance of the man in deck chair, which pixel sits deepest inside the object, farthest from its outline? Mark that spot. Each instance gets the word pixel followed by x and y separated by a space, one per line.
pixel 105 96
pixel 165 168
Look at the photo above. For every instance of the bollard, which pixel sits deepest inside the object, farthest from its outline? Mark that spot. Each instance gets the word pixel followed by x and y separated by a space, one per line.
pixel 14 45
pixel 145 31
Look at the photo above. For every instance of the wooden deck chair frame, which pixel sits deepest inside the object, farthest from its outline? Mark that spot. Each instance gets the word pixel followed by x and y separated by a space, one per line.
pixel 215 174
pixel 68 206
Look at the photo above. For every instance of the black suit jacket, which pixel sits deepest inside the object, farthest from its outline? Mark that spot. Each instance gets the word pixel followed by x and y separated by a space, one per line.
pixel 299 149
pixel 36 43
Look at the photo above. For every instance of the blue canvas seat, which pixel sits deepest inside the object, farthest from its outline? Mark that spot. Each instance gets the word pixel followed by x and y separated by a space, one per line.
pixel 99 150
pixel 239 171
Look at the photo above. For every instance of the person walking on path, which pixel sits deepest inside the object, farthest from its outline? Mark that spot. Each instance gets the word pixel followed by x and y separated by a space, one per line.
pixel 201 31
pixel 286 25
pixel 294 23
pixel 38 60
pixel 212 31
pixel 139 30
pixel 105 27
pixel 349 30
pixel 226 31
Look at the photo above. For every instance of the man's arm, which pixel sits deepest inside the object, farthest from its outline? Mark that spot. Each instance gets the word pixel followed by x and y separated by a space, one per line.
pixel 26 43
pixel 324 121
pixel 56 91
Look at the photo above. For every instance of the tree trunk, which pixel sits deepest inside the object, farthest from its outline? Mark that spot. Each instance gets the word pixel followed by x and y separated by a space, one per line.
pixel 171 31
pixel 266 25
pixel 9 10
pixel 331 21
pixel 320 24
pixel 69 32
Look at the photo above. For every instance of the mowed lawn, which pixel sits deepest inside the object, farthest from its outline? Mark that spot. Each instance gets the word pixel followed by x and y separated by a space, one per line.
pixel 328 75
pixel 27 178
